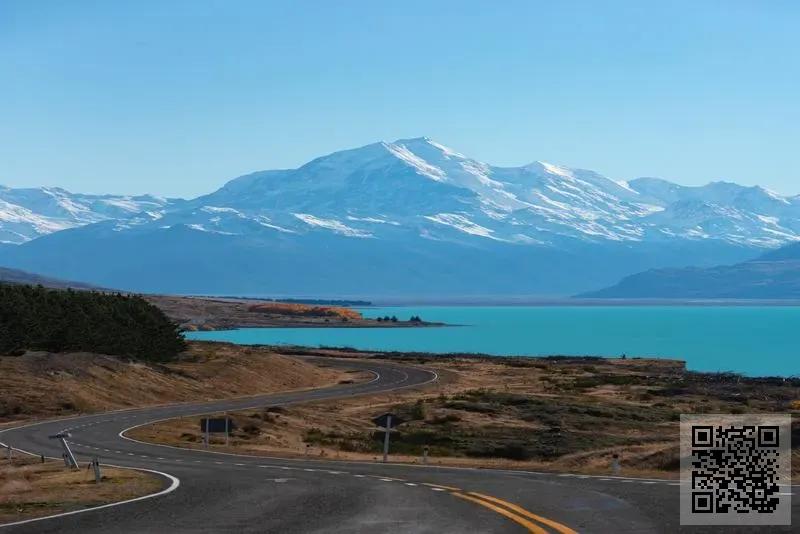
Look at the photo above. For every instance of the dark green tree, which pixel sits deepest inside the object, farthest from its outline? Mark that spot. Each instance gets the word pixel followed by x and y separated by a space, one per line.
pixel 36 318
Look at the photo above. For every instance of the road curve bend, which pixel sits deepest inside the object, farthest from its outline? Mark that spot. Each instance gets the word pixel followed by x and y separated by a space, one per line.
pixel 208 491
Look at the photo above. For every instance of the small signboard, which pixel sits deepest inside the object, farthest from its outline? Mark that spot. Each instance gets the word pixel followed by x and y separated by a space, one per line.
pixel 217 425
pixel 382 420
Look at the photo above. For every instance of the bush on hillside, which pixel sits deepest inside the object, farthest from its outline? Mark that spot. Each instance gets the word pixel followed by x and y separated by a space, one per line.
pixel 36 318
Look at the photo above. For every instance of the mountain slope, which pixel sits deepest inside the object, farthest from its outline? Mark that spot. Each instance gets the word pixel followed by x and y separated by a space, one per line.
pixel 396 218
pixel 774 275
pixel 15 276
pixel 29 213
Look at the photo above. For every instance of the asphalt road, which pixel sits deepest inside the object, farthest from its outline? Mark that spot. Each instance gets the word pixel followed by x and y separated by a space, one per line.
pixel 245 494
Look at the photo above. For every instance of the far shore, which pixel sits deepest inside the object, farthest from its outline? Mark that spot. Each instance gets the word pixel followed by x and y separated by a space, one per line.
pixel 217 314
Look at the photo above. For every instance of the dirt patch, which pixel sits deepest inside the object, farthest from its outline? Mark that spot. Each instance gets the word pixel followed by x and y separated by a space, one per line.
pixel 31 489
pixel 43 384
pixel 560 414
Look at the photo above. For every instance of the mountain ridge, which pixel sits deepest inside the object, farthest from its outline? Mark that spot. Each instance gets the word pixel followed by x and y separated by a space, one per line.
pixel 411 214
pixel 772 275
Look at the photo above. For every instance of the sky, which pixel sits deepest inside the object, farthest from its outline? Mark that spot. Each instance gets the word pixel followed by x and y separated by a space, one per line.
pixel 176 97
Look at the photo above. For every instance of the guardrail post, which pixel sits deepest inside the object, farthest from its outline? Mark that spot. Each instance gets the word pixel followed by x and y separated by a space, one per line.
pixel 69 458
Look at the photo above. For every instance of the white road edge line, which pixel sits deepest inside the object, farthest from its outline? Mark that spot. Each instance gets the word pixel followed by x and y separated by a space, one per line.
pixel 174 484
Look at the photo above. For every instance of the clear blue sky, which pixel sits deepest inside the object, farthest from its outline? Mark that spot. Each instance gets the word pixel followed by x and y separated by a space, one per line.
pixel 177 97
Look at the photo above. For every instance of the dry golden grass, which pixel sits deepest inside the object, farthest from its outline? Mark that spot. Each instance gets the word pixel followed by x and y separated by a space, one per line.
pixel 31 489
pixel 652 452
pixel 44 385
pixel 301 310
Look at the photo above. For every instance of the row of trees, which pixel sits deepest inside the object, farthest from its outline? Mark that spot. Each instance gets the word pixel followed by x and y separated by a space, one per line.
pixel 36 318
pixel 393 319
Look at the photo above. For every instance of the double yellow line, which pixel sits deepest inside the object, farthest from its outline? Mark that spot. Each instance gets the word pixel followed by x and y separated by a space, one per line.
pixel 520 515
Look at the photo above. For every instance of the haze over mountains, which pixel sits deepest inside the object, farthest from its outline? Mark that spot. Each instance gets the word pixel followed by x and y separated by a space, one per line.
pixel 411 217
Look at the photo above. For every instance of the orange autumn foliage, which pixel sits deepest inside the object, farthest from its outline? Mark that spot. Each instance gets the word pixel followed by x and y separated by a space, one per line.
pixel 304 310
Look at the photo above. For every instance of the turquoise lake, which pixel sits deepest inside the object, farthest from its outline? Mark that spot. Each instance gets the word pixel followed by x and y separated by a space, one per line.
pixel 755 341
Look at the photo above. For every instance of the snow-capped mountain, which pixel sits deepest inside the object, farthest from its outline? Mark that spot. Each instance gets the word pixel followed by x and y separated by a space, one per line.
pixel 415 199
pixel 29 213
pixel 420 187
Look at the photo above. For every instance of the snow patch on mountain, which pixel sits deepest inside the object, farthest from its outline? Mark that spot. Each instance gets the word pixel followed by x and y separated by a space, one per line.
pixel 461 223
pixel 331 224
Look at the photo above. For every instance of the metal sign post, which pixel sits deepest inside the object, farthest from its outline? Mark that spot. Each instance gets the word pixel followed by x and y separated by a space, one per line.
pixel 386 420
pixel 386 438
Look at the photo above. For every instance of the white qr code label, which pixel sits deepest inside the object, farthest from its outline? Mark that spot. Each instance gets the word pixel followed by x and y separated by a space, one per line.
pixel 736 469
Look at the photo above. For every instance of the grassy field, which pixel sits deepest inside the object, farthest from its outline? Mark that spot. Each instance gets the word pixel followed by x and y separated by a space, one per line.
pixel 31 489
pixel 560 414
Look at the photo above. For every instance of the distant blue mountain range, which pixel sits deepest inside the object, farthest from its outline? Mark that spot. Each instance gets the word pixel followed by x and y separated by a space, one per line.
pixel 410 217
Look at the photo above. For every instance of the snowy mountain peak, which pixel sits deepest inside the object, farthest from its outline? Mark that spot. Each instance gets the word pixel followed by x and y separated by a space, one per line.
pixel 421 188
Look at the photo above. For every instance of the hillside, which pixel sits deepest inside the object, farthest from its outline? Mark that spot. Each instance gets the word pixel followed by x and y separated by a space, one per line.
pixel 774 275
pixel 15 276
pixel 45 384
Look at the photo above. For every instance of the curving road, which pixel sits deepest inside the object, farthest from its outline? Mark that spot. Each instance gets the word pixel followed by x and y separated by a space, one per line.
pixel 221 493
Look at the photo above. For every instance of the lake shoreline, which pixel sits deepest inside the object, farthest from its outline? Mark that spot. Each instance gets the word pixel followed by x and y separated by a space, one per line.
pixel 747 340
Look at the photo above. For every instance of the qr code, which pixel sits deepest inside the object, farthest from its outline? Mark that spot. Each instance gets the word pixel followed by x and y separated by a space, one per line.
pixel 735 469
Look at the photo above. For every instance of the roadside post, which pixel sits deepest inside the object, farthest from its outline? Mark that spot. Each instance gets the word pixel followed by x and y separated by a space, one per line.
pixel 386 438
pixel 69 458
pixel 425 455
pixel 308 448
pixel 385 421
pixel 96 465
pixel 227 423
pixel 9 449
pixel 615 467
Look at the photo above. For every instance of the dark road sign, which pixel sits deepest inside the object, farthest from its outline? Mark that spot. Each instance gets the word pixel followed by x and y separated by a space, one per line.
pixel 381 420
pixel 219 425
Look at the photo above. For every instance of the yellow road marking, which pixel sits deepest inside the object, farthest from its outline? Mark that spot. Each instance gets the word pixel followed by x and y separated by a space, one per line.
pixel 449 488
pixel 522 521
pixel 523 512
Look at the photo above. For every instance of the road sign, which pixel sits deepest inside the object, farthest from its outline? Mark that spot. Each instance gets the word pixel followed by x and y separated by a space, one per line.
pixel 383 420
pixel 220 425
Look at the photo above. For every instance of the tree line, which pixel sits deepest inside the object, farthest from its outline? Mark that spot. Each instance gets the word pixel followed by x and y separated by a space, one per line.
pixel 54 320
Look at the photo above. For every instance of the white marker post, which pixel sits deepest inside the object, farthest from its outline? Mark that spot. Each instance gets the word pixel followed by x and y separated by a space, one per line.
pixel 9 452
pixel 615 467
pixel 425 455
pixel 386 438
pixel 96 465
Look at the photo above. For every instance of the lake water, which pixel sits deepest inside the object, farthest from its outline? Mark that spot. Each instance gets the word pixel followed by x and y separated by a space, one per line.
pixel 752 340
